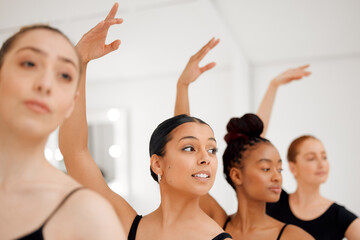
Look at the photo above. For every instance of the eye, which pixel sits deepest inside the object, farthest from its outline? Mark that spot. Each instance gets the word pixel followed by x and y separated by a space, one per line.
pixel 28 64
pixel 280 170
pixel 188 149
pixel 213 151
pixel 66 77
pixel 265 169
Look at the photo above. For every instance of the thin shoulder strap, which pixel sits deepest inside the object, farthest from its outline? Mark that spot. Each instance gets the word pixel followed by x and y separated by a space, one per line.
pixel 226 222
pixel 134 226
pixel 222 236
pixel 60 204
pixel 281 231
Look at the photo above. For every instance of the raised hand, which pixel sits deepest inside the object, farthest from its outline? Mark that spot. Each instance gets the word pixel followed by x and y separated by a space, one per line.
pixel 92 44
pixel 192 70
pixel 291 74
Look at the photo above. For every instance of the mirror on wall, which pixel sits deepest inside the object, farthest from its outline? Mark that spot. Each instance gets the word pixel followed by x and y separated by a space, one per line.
pixel 108 145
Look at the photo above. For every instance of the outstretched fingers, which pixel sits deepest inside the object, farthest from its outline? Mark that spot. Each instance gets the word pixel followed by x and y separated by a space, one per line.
pixel 207 67
pixel 113 11
pixel 205 49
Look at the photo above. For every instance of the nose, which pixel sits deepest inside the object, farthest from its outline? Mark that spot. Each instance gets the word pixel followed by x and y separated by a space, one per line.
pixel 276 176
pixel 203 158
pixel 43 84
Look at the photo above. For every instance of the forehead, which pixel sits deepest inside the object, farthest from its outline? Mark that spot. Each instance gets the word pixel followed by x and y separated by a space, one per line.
pixel 50 42
pixel 262 150
pixel 198 130
pixel 311 145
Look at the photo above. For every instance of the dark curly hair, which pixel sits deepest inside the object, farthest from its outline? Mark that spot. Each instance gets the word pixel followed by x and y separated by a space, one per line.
pixel 242 133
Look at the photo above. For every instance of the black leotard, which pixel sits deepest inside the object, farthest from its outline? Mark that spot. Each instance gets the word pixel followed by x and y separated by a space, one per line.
pixel 135 224
pixel 38 234
pixel 331 225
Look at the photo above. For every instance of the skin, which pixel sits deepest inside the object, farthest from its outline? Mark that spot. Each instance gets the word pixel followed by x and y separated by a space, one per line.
pixel 38 83
pixel 288 76
pixel 258 181
pixel 310 170
pixel 189 151
pixel 252 201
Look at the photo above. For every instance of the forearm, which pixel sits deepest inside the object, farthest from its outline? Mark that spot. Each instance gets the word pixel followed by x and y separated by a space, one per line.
pixel 266 105
pixel 75 127
pixel 182 105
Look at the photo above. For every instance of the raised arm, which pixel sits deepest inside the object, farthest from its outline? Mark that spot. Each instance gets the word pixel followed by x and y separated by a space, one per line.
pixel 73 134
pixel 191 72
pixel 265 109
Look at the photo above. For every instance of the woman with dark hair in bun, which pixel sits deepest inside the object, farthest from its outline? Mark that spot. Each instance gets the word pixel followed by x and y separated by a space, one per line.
pixel 182 160
pixel 306 207
pixel 252 166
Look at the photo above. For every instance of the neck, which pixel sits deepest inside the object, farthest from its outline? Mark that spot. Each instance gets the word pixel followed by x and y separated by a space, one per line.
pixel 251 213
pixel 20 155
pixel 177 205
pixel 306 193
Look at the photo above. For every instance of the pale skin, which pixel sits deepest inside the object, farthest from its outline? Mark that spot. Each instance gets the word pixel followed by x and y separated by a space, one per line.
pixel 266 105
pixel 310 170
pixel 306 202
pixel 250 221
pixel 179 215
pixel 38 81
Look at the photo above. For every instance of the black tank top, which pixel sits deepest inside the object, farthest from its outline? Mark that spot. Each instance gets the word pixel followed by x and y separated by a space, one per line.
pixel 38 234
pixel 278 237
pixel 135 224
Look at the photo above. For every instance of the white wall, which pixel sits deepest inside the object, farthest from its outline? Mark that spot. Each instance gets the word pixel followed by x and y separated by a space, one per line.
pixel 326 105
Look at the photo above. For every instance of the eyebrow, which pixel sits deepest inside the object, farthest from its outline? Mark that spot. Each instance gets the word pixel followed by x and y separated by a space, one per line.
pixel 37 50
pixel 267 160
pixel 192 137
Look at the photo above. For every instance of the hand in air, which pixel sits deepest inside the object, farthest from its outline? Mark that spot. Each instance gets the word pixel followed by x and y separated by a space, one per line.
pixel 92 44
pixel 192 70
pixel 292 74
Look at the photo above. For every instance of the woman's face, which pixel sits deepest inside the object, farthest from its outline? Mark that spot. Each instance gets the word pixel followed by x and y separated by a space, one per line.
pixel 38 82
pixel 261 177
pixel 190 163
pixel 311 165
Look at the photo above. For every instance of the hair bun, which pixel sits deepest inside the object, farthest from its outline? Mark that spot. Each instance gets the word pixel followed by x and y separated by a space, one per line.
pixel 249 125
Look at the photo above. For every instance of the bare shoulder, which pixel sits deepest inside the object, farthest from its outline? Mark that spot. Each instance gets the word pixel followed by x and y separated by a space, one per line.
pixel 86 215
pixel 213 209
pixel 295 232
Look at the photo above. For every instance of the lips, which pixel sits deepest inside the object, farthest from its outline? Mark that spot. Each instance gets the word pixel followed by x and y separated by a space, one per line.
pixel 202 175
pixel 275 189
pixel 37 106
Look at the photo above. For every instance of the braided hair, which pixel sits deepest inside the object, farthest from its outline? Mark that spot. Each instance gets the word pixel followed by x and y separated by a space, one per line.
pixel 242 133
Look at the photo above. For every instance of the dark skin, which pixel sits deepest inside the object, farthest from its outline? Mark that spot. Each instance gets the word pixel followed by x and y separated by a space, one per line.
pixel 250 221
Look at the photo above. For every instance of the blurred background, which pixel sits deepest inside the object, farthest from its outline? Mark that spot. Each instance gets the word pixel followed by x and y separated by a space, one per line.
pixel 132 90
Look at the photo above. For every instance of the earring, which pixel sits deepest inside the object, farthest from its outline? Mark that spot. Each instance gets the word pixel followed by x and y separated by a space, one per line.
pixel 159 178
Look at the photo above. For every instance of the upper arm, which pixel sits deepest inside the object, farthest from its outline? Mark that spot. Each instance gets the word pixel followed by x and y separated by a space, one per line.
pixel 85 215
pixel 353 231
pixel 84 169
pixel 213 209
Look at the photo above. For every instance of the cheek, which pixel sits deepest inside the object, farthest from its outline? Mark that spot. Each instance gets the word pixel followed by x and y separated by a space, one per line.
pixel 255 180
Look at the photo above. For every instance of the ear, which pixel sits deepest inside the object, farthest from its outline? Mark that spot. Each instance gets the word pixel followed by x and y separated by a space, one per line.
pixel 236 176
pixel 293 168
pixel 155 164
pixel 72 106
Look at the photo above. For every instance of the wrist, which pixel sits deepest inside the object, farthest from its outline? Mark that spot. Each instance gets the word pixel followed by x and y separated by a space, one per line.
pixel 182 84
pixel 274 83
